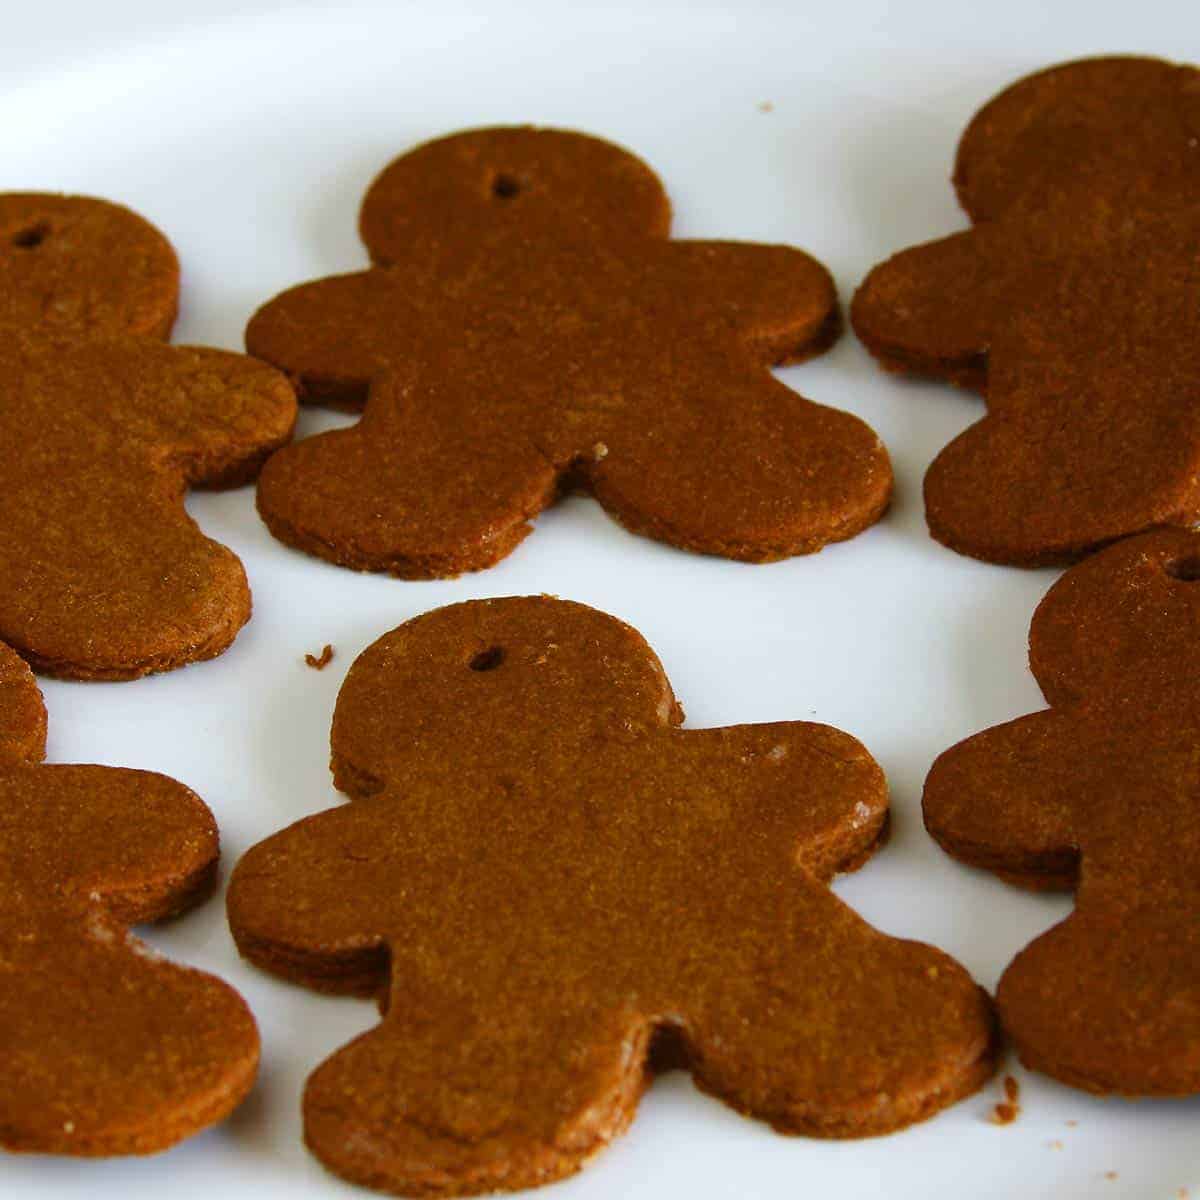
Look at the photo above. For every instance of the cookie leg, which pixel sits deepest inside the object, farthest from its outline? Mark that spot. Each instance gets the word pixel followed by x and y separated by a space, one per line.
pixel 105 1049
pixel 822 1026
pixel 447 1099
pixel 426 500
pixel 746 469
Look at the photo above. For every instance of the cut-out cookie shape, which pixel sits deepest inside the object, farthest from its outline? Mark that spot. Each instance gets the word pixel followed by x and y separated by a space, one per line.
pixel 555 889
pixel 105 1048
pixel 1100 793
pixel 528 328
pixel 102 428
pixel 73 264
pixel 1074 304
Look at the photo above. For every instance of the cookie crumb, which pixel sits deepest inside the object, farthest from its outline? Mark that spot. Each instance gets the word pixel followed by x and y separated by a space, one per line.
pixel 766 106
pixel 599 451
pixel 68 1127
pixel 1056 1145
pixel 1111 1175
pixel 320 662
pixel 1072 1124
pixel 1009 1109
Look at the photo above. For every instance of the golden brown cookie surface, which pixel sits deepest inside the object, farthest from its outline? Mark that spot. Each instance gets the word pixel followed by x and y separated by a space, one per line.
pixel 102 573
pixel 105 1048
pixel 1074 305
pixel 1124 127
pixel 553 888
pixel 1099 793
pixel 530 327
pixel 73 264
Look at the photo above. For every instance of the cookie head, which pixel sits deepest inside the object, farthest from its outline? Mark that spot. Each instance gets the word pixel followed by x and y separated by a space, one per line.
pixel 1124 624
pixel 511 181
pixel 1127 128
pixel 492 670
pixel 72 264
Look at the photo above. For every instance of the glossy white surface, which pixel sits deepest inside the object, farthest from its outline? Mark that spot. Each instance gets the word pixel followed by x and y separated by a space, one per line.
pixel 248 133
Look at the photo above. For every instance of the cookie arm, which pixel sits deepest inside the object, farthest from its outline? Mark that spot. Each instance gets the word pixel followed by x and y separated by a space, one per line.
pixel 1004 800
pixel 301 905
pixel 331 337
pixel 141 846
pixel 930 310
pixel 210 416
pixel 778 300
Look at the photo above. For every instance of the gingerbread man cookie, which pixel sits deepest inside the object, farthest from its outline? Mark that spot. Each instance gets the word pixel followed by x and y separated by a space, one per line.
pixel 105 1048
pixel 1100 794
pixel 528 327
pixel 102 429
pixel 1073 304
pixel 555 890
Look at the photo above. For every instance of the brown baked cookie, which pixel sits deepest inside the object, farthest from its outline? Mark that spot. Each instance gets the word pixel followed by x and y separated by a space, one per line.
pixel 1074 306
pixel 103 575
pixel 529 328
pixel 72 264
pixel 1122 127
pixel 1100 794
pixel 105 1048
pixel 555 891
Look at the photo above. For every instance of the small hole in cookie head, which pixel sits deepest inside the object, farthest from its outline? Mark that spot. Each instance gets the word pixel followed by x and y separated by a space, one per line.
pixel 1185 569
pixel 31 237
pixel 487 660
pixel 505 187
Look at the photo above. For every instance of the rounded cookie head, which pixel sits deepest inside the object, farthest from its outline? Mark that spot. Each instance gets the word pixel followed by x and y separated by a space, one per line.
pixel 511 179
pixel 78 265
pixel 494 667
pixel 22 713
pixel 1124 622
pixel 1124 127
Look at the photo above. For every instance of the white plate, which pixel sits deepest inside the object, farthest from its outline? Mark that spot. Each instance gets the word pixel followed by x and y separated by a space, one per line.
pixel 249 138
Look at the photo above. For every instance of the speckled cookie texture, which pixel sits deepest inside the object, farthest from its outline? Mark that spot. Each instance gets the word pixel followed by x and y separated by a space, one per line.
pixel 1073 304
pixel 555 890
pixel 529 327
pixel 105 1048
pixel 1099 794
pixel 103 575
